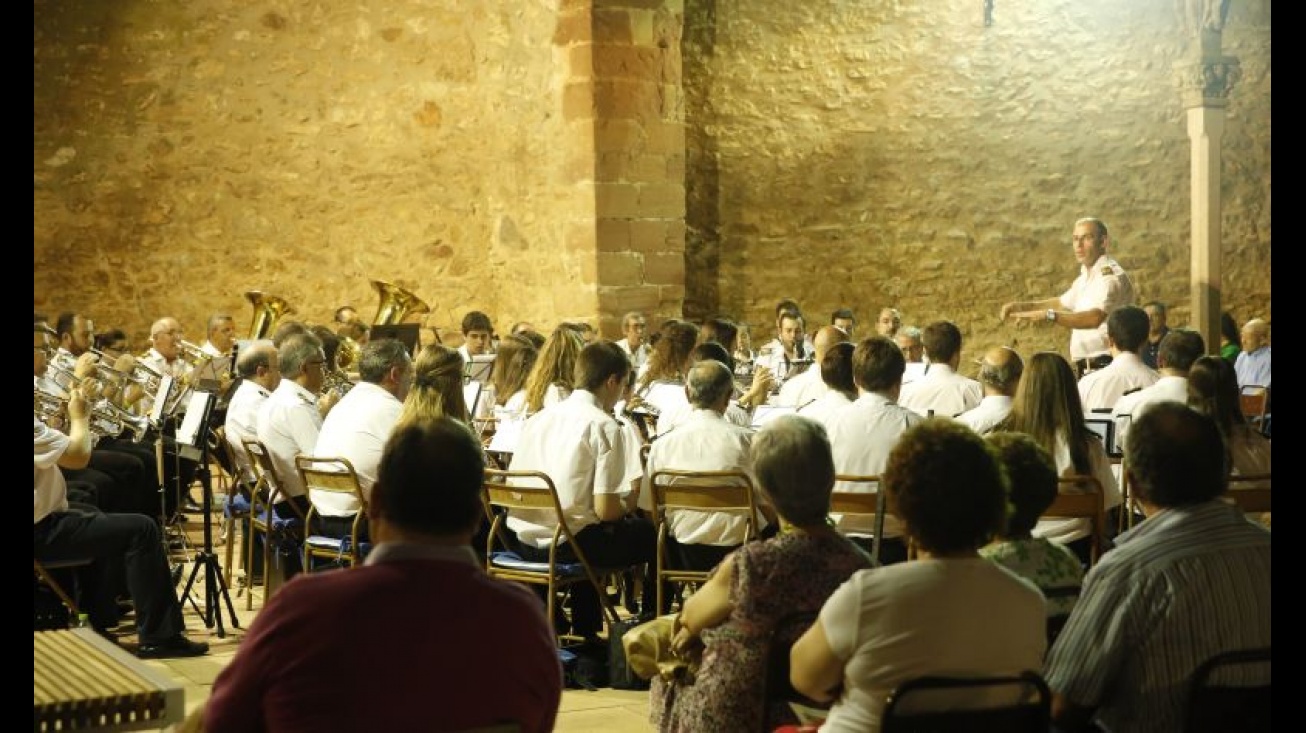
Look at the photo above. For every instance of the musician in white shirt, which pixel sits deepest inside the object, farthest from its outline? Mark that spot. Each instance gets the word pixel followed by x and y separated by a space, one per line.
pixel 942 391
pixel 1000 373
pixel 260 372
pixel 704 441
pixel 580 445
pixel 807 386
pixel 634 325
pixel 836 370
pixel 787 349
pixel 1126 330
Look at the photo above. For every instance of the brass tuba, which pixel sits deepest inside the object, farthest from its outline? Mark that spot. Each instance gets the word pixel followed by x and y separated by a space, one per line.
pixel 267 309
pixel 396 304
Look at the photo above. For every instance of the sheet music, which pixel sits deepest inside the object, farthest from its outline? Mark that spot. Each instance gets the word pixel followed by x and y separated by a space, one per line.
pixel 762 414
pixel 196 412
pixel 507 432
pixel 471 394
pixel 479 368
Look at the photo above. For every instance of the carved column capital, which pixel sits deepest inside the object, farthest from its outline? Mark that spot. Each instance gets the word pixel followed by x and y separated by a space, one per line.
pixel 1208 81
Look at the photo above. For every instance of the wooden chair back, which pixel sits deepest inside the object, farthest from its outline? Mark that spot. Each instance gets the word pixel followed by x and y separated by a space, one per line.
pixel 331 475
pixel 703 491
pixel 867 502
pixel 1250 492
pixel 504 491
pixel 1081 496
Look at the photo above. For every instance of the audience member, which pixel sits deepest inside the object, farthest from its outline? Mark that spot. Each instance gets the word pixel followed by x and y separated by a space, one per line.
pixel 1047 408
pixel 1253 364
pixel 891 624
pixel 1156 330
pixel 729 622
pixel 999 375
pixel 836 369
pixel 862 434
pixel 580 446
pixel 316 656
pixel 1032 487
pixel 1126 330
pixel 1213 391
pixel 1231 340
pixel 1190 581
pixel 942 391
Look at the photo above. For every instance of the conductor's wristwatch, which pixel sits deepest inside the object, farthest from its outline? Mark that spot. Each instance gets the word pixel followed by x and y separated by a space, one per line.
pixel 1052 316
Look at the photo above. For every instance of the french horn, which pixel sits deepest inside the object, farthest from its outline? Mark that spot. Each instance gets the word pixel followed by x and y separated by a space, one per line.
pixel 267 310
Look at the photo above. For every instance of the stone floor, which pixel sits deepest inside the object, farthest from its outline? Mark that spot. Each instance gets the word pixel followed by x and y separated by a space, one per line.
pixel 581 711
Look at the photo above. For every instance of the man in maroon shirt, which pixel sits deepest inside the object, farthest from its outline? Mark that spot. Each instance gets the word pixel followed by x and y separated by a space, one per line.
pixel 419 637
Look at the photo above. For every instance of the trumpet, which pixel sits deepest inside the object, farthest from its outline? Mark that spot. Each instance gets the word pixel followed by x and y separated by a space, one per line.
pixel 193 355
pixel 106 418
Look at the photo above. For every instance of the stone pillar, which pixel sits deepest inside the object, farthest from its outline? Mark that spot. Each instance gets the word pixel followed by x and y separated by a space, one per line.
pixel 1206 79
pixel 626 83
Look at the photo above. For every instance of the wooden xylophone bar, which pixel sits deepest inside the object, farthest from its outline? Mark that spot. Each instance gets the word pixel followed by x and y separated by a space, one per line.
pixel 83 682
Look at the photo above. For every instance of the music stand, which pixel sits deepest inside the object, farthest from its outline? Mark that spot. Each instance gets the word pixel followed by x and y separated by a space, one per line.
pixel 478 369
pixel 192 443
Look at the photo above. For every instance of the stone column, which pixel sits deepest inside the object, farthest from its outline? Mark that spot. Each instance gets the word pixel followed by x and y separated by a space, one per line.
pixel 626 82
pixel 1205 81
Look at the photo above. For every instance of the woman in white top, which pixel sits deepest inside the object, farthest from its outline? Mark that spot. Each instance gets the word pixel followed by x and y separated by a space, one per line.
pixel 1048 408
pixel 551 377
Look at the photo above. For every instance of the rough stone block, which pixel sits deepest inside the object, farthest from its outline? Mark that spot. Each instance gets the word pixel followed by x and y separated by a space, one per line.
pixel 613 235
pixel 620 268
pixel 664 269
pixel 663 200
pixel 611 26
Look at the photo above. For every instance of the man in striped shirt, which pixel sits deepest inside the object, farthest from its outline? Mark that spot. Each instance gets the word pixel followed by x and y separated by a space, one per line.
pixel 1191 581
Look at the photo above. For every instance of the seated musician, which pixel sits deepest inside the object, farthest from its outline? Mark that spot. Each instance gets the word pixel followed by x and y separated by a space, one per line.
pixel 581 447
pixel 704 441
pixel 550 379
pixel 805 387
pixel 359 425
pixel 117 542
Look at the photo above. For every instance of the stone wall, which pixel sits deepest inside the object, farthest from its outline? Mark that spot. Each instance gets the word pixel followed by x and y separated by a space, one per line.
pixel 849 153
pixel 185 153
pixel 563 159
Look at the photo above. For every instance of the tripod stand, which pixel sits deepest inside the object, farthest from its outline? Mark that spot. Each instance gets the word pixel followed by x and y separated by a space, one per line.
pixel 192 442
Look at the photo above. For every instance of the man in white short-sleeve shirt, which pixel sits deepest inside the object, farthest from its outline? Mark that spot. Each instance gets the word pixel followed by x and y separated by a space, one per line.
pixel 1102 286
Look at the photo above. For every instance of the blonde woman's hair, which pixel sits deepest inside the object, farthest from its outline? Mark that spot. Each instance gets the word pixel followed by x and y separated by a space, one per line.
pixel 437 386
pixel 556 365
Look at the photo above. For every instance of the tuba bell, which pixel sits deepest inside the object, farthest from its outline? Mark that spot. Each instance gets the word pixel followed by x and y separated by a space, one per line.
pixel 267 309
pixel 396 304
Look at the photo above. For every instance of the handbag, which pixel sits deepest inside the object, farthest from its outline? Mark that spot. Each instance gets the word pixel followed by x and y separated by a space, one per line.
pixel 648 651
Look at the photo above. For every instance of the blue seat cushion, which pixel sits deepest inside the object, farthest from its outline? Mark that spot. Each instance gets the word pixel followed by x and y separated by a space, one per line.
pixel 338 545
pixel 512 561
pixel 237 505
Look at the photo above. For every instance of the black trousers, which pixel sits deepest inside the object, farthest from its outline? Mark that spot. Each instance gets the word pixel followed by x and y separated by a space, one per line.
pixel 625 542
pixel 116 542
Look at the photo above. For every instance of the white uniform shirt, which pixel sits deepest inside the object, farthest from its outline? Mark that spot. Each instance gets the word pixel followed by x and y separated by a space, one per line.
pixel 1069 530
pixel 582 449
pixel 942 390
pixel 212 350
pixel 1132 406
pixel 772 355
pixel 288 424
pixel 705 441
pixel 356 429
pixel 861 436
pixel 986 416
pixel 677 411
pixel 1104 387
pixel 803 388
pixel 639 356
pixel 1103 285
pixel 242 423
pixel 177 368
pixel 49 491
pixel 824 407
